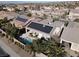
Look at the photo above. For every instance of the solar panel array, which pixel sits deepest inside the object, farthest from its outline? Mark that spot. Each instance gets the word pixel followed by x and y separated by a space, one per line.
pixel 40 27
pixel 21 19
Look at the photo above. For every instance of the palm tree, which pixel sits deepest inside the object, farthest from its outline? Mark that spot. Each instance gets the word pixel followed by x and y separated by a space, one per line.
pixel 49 48
pixel 35 47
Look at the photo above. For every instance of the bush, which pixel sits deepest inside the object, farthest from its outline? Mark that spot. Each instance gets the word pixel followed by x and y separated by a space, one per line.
pixel 3 34
pixel 76 20
pixel 29 14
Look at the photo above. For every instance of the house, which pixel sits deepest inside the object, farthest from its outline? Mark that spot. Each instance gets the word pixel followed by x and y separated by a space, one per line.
pixel 2 14
pixel 20 21
pixel 11 15
pixel 39 29
pixel 59 12
pixel 47 8
pixel 36 13
pixel 8 8
pixel 20 7
pixel 74 14
pixel 36 30
pixel 70 36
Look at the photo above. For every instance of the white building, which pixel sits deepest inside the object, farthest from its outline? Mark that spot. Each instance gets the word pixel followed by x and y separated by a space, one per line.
pixel 9 8
pixel 70 36
pixel 39 29
pixel 74 14
pixel 36 30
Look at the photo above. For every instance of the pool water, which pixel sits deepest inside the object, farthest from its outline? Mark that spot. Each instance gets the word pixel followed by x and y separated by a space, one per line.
pixel 25 41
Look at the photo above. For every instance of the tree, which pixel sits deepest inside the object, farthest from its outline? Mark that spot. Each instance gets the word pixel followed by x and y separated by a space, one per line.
pixel 55 19
pixel 34 48
pixel 29 14
pixel 76 20
pixel 65 14
pixel 17 10
pixel 44 16
pixel 50 48
pixel 25 8
pixel 66 23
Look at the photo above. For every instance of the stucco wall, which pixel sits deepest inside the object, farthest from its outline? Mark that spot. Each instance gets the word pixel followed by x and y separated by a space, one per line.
pixel 75 47
pixel 40 55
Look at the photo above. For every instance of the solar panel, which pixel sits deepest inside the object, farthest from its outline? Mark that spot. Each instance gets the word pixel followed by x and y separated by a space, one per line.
pixel 21 19
pixel 40 27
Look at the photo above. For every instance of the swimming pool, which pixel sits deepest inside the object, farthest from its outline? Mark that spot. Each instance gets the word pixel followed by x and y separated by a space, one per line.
pixel 25 41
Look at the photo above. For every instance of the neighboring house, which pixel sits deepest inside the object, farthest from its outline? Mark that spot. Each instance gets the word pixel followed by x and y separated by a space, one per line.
pixel 20 7
pixel 45 8
pixel 9 15
pixel 36 13
pixel 9 8
pixel 20 21
pixel 74 14
pixel 70 36
pixel 59 12
pixel 2 14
